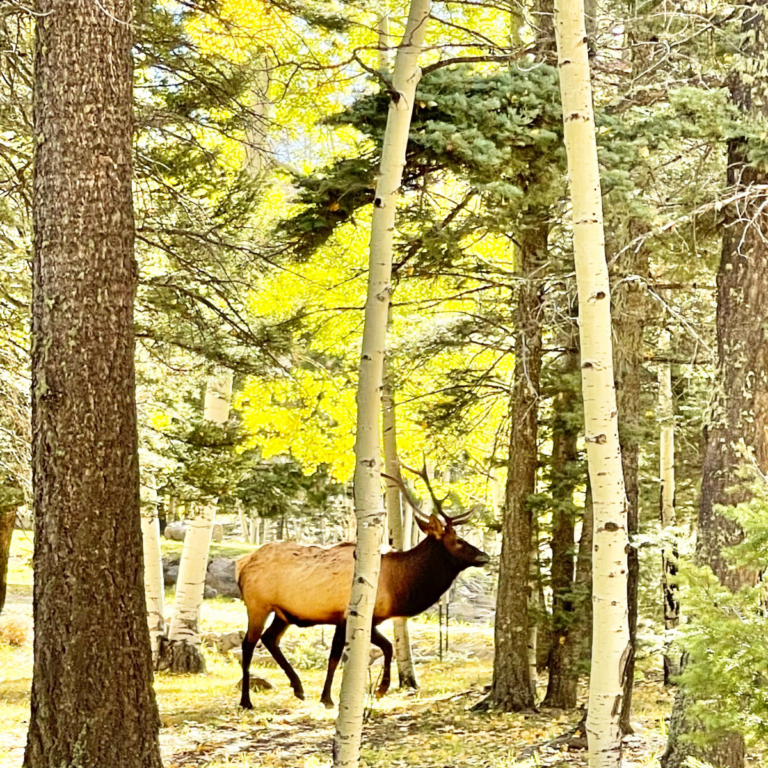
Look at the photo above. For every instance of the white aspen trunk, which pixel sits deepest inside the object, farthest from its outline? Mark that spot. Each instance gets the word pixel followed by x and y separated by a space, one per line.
pixel 610 637
pixel 369 509
pixel 667 506
pixel 190 586
pixel 256 131
pixel 406 671
pixel 244 530
pixel 667 438
pixel 384 49
pixel 154 587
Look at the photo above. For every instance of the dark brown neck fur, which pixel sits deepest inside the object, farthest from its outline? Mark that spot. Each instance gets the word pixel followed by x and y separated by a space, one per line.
pixel 419 577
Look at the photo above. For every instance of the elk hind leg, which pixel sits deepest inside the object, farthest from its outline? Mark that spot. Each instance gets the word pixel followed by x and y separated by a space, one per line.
pixel 271 640
pixel 255 628
pixel 337 647
pixel 386 647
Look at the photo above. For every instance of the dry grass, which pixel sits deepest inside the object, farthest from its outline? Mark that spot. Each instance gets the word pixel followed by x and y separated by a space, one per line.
pixel 13 631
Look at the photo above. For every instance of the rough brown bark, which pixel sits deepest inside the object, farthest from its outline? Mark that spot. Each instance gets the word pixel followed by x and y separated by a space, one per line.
pixel 738 423
pixel 565 471
pixel 92 699
pixel 511 690
pixel 629 298
pixel 7 519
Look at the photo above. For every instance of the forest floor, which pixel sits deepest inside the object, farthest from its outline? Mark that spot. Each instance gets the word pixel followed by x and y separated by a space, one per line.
pixel 433 727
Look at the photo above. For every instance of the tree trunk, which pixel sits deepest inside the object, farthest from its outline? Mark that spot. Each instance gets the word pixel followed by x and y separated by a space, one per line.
pixel 565 474
pixel 368 507
pixel 739 414
pixel 406 671
pixel 182 651
pixel 7 520
pixel 610 641
pixel 629 301
pixel 512 688
pixel 667 510
pixel 153 570
pixel 92 699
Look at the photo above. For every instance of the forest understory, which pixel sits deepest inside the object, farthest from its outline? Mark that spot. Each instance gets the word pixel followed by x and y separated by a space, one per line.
pixel 434 727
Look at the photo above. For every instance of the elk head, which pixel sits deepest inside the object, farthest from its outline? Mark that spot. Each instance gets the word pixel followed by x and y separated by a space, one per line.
pixel 442 526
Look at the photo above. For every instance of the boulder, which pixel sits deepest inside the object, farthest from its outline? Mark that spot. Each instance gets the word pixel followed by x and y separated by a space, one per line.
pixel 221 576
pixel 175 531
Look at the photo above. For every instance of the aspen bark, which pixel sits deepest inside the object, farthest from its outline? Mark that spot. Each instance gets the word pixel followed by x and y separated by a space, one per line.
pixel 92 702
pixel 368 506
pixel 190 586
pixel 154 588
pixel 405 669
pixel 610 641
pixel 667 508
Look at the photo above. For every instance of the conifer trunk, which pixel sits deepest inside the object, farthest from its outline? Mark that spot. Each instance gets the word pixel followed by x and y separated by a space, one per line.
pixel 739 411
pixel 182 651
pixel 512 688
pixel 563 676
pixel 92 703
pixel 7 520
pixel 610 640
pixel 368 506
pixel 629 310
pixel 406 671
pixel 667 507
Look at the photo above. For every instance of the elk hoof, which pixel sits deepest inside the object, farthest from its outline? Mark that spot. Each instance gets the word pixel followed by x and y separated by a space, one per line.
pixel 380 692
pixel 327 702
pixel 298 693
pixel 246 705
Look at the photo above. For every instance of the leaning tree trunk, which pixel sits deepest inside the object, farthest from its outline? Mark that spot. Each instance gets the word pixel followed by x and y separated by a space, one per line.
pixel 629 300
pixel 181 652
pixel 369 511
pixel 565 474
pixel 667 509
pixel 739 413
pixel 512 689
pixel 610 640
pixel 406 671
pixel 7 520
pixel 154 587
pixel 92 699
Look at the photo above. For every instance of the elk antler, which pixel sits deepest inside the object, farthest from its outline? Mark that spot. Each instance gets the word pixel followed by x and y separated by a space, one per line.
pixel 417 510
pixel 459 519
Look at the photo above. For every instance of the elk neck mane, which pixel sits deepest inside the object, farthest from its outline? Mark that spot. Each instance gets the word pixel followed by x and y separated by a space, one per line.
pixel 420 576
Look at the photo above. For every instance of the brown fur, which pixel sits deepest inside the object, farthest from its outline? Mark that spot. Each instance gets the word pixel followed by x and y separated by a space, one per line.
pixel 309 585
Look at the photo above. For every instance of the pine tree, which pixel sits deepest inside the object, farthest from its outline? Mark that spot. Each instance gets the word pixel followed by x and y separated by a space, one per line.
pixel 92 698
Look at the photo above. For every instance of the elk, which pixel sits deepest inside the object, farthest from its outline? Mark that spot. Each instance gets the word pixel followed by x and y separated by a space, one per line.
pixel 310 585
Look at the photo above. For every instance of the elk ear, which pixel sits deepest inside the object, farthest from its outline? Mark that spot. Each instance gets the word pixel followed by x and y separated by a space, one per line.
pixel 435 527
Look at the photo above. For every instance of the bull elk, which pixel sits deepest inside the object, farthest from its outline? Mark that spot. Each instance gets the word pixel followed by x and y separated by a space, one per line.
pixel 310 585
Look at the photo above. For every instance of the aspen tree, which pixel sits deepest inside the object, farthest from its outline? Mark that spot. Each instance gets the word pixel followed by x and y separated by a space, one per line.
pixel 183 635
pixel 667 505
pixel 405 669
pixel 154 587
pixel 610 638
pixel 368 500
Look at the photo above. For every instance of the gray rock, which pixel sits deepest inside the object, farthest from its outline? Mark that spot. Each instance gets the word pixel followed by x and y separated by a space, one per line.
pixel 175 531
pixel 221 576
pixel 170 575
